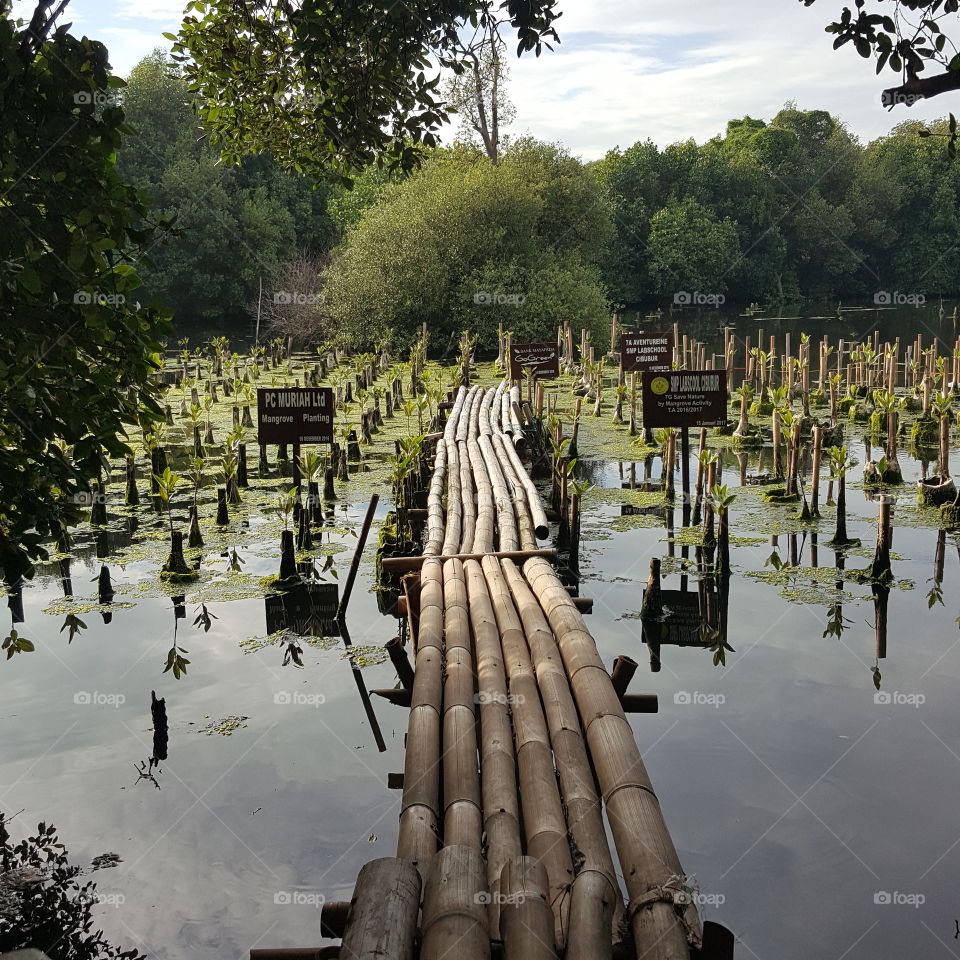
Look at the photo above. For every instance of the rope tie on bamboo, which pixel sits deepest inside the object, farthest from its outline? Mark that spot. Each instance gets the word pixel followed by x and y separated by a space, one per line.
pixel 674 892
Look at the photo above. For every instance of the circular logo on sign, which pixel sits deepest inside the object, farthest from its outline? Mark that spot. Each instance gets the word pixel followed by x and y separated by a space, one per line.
pixel 660 385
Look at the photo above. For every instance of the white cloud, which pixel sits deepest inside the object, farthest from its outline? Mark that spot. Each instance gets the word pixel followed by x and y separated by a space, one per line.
pixel 625 71
pixel 168 10
pixel 631 69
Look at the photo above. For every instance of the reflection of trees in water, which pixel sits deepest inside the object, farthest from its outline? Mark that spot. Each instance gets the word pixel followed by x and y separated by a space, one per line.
pixel 44 905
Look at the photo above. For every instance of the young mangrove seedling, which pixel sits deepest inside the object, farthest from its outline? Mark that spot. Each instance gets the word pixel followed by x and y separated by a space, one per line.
pixel 840 463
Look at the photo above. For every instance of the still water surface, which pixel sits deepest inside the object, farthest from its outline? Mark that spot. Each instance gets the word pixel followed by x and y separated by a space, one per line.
pixel 800 800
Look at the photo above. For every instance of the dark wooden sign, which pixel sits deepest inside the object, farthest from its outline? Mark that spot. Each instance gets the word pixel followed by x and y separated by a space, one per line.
pixel 543 357
pixel 685 398
pixel 295 415
pixel 646 350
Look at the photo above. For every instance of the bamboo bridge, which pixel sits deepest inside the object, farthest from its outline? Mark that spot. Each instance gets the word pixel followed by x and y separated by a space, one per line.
pixel 517 742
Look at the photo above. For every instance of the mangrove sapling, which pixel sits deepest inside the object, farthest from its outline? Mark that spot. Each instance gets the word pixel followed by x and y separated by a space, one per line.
pixel 311 465
pixel 196 476
pixel 940 489
pixel 176 567
pixel 223 514
pixel 741 436
pixel 705 459
pixel 196 418
pixel 840 463
pixel 288 559
pixel 721 499
pixel 621 393
pixel 228 467
pixel 207 408
pixel 598 382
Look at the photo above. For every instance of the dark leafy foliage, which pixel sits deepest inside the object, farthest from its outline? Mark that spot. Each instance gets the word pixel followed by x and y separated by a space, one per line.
pixel 76 348
pixel 331 85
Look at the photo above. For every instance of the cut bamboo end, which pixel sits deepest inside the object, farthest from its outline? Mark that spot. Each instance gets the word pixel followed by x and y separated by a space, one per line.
pixel 383 912
pixel 454 908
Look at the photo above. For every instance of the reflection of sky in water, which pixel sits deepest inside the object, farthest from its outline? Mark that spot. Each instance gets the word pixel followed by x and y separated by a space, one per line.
pixel 796 800
pixel 799 798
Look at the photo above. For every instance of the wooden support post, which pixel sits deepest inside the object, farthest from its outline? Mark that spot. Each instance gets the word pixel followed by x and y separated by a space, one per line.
pixel 355 563
pixel 624 668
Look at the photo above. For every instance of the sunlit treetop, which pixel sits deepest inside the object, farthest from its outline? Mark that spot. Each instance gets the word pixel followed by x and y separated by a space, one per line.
pixel 336 86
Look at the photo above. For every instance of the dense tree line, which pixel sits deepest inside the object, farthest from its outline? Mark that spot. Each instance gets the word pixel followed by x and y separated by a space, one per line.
pixel 793 208
pixel 233 225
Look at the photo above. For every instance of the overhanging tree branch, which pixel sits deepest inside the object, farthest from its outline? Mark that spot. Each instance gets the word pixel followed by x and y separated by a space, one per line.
pixel 922 88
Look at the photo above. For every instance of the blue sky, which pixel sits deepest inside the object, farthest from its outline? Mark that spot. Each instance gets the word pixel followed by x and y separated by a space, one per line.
pixel 627 70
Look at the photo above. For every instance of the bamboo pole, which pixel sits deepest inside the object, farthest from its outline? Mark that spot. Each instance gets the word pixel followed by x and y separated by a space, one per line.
pixel 462 814
pixel 595 898
pixel 467 492
pixel 544 825
pixel 419 811
pixel 454 915
pixel 526 922
pixel 647 855
pixel 453 522
pixel 498 778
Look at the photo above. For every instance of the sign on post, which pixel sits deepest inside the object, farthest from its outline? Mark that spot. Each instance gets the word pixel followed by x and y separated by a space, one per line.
pixel 685 398
pixel 295 415
pixel 646 350
pixel 543 357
